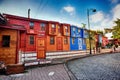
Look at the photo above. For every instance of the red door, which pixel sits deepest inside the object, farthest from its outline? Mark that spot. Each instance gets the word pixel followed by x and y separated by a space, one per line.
pixel 59 43
pixel 40 48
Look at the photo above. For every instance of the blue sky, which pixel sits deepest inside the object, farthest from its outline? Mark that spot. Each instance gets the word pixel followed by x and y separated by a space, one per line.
pixel 66 11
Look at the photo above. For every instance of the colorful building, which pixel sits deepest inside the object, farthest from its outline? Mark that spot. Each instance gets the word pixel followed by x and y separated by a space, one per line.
pixel 33 39
pixel 105 41
pixel 77 38
pixel 92 41
pixel 9 42
pixel 57 37
pixel 39 36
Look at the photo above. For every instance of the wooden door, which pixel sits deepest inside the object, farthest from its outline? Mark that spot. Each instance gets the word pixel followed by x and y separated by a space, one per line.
pixel 40 48
pixel 59 43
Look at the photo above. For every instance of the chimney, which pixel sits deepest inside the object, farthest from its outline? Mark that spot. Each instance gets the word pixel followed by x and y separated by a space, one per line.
pixel 28 13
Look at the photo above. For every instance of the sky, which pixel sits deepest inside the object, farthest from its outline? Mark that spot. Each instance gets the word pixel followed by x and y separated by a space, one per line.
pixel 73 12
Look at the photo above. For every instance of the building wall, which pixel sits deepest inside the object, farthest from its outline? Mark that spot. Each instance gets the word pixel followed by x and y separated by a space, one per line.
pixel 83 43
pixel 73 43
pixel 93 44
pixel 59 37
pixel 104 41
pixel 50 47
pixel 77 34
pixel 8 54
pixel 26 36
pixel 66 47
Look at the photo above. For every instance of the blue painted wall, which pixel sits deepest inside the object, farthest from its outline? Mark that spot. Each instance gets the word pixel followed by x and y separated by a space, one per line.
pixel 77 34
pixel 83 43
pixel 85 33
pixel 73 44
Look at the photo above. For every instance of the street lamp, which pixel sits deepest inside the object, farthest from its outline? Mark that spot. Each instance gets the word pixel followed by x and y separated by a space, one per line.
pixel 93 10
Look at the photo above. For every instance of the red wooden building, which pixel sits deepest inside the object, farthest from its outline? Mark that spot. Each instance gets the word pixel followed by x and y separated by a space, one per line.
pixel 9 45
pixel 33 39
pixel 58 36
pixel 39 36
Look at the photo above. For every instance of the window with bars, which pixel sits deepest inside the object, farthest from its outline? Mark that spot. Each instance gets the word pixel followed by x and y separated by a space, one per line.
pixel 52 40
pixel 31 25
pixel 6 41
pixel 31 39
pixel 42 25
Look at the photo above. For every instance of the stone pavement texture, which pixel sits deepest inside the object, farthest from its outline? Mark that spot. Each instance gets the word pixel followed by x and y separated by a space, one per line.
pixel 54 72
pixel 100 67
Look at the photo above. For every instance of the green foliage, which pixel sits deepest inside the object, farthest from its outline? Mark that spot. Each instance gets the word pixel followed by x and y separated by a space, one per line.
pixel 83 25
pixel 116 30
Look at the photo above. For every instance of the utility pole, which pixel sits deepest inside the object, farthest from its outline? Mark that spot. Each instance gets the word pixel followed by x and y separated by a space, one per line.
pixel 93 10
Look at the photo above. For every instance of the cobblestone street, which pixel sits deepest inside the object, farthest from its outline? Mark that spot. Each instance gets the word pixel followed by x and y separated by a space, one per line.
pixel 100 67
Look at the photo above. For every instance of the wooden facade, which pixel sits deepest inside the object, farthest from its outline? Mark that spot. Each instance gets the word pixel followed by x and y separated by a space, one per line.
pixel 57 37
pixel 8 47
pixel 9 40
pixel 33 40
pixel 40 36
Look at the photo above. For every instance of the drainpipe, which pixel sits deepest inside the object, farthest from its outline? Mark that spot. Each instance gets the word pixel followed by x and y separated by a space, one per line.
pixel 28 13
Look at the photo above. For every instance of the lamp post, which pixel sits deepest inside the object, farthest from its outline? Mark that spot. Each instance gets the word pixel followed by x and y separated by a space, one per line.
pixel 93 10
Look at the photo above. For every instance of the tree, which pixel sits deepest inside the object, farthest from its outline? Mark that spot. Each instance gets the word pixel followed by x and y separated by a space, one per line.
pixel 83 25
pixel 116 30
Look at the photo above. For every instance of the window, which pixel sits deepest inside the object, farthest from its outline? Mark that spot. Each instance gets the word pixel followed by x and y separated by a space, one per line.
pixel 84 41
pixel 66 28
pixel 31 39
pixel 73 40
pixel 78 30
pixel 42 25
pixel 52 40
pixel 31 25
pixel 65 40
pixel 73 29
pixel 59 29
pixel 53 28
pixel 5 41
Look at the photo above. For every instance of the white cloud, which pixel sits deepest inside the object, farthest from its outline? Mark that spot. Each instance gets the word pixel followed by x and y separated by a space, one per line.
pixel 116 12
pixel 69 9
pixel 97 17
pixel 101 20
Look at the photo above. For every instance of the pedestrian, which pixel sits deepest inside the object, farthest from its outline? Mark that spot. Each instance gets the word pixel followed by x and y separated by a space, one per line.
pixel 113 48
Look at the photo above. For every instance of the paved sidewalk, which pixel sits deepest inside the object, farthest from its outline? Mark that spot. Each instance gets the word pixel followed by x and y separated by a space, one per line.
pixel 54 72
